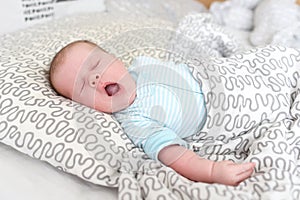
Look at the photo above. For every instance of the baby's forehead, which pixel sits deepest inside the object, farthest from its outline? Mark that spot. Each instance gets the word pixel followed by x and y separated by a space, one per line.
pixel 78 50
pixel 81 46
pixel 77 54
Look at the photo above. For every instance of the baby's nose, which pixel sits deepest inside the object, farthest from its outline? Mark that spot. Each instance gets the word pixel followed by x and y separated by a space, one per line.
pixel 93 79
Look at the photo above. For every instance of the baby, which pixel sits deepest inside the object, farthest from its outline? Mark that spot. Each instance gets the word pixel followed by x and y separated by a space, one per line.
pixel 154 102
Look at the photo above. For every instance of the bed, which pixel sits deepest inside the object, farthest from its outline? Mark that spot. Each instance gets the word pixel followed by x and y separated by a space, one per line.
pixel 52 148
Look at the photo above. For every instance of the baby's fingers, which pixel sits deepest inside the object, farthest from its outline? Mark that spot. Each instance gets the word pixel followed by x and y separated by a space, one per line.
pixel 242 168
pixel 244 175
pixel 243 171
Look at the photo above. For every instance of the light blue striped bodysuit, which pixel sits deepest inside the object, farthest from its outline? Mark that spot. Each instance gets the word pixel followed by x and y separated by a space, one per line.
pixel 169 105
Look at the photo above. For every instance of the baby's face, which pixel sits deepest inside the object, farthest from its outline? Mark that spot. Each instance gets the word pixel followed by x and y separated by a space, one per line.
pixel 95 78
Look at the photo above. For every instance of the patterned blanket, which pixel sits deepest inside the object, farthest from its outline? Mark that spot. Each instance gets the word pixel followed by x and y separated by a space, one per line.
pixel 253 115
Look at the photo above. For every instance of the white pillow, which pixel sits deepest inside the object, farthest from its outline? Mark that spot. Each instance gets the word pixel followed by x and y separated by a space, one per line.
pixel 271 17
pixel 17 14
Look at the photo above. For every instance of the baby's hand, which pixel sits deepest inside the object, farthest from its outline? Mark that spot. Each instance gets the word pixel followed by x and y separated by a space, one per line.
pixel 230 173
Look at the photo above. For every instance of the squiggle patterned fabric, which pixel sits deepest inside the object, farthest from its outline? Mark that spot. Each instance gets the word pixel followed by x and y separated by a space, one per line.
pixel 91 145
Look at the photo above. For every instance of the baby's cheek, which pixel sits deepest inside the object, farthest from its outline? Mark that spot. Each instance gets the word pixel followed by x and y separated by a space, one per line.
pixel 88 98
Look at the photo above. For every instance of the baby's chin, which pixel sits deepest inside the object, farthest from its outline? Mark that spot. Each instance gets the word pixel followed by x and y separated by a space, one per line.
pixel 121 102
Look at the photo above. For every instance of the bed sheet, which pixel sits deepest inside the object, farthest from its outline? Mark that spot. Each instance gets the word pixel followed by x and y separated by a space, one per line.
pixel 25 178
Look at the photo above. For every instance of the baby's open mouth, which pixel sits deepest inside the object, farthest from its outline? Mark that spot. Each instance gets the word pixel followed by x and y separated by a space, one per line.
pixel 112 88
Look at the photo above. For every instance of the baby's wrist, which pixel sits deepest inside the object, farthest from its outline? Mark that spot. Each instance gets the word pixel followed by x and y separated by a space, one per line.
pixel 212 172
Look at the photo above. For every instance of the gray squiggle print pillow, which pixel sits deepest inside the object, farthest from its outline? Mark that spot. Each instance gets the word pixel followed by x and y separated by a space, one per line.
pixel 38 122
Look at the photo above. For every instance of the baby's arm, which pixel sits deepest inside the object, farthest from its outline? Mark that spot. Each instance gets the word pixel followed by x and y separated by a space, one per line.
pixel 195 168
